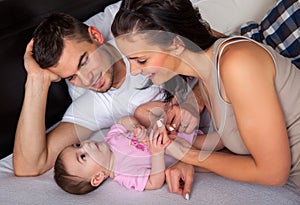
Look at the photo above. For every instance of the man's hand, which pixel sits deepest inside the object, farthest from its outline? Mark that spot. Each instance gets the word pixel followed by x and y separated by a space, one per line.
pixel 179 178
pixel 33 69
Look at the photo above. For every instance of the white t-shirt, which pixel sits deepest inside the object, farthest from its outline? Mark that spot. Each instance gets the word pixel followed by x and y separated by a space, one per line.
pixel 97 111
pixel 103 20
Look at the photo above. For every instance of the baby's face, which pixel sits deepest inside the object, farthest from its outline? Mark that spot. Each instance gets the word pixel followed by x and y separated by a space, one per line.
pixel 86 159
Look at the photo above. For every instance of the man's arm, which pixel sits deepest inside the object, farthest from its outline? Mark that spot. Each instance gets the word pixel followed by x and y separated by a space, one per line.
pixel 34 153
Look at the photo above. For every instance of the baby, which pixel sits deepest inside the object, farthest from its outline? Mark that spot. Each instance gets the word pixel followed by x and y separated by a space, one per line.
pixel 129 154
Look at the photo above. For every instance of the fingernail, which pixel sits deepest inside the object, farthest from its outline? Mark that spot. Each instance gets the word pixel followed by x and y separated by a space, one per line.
pixel 187 196
pixel 171 128
pixel 159 123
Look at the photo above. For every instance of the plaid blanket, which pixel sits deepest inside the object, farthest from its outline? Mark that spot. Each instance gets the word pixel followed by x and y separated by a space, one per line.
pixel 280 28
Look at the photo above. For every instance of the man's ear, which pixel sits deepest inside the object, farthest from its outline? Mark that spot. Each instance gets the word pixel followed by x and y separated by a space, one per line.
pixel 178 45
pixel 98 178
pixel 96 35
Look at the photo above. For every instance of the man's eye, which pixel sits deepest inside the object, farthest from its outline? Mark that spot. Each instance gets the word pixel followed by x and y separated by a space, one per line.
pixel 83 157
pixel 85 61
pixel 70 78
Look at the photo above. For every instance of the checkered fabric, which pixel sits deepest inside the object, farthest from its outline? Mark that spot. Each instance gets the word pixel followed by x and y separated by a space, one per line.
pixel 280 28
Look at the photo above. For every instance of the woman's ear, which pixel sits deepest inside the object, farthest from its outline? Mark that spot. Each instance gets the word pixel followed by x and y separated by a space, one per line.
pixel 96 35
pixel 98 178
pixel 179 45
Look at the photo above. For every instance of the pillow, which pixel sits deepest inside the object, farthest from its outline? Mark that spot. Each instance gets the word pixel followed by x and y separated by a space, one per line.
pixel 280 29
pixel 227 16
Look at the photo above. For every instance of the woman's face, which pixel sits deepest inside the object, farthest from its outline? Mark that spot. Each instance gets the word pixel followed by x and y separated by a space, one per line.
pixel 148 60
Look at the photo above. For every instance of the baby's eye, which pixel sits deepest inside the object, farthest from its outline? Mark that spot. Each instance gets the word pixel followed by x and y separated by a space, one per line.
pixel 76 145
pixel 83 157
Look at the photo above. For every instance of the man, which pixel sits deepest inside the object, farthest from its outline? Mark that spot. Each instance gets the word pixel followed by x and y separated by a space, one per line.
pixel 85 61
pixel 80 62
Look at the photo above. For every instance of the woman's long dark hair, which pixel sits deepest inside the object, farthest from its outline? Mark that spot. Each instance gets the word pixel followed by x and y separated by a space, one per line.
pixel 177 17
pixel 162 21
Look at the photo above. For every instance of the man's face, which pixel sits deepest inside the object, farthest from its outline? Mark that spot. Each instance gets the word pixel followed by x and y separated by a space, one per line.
pixel 85 65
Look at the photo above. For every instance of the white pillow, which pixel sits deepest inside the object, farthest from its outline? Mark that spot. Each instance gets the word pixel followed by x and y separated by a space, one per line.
pixel 227 16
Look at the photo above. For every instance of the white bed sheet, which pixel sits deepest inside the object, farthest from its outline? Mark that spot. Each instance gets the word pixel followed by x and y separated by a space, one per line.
pixel 208 188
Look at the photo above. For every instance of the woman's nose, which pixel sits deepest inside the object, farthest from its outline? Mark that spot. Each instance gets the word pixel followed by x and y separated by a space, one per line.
pixel 134 70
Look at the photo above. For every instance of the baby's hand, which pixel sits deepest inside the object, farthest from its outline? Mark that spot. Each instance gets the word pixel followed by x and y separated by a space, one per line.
pixel 159 139
pixel 140 132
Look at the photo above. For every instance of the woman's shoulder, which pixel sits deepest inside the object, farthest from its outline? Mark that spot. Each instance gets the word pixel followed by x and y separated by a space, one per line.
pixel 243 52
pixel 243 63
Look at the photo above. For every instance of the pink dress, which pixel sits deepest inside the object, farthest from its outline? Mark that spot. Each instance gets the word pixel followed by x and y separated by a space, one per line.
pixel 132 165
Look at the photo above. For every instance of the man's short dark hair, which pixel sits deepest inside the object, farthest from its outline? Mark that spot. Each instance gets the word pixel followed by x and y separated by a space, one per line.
pixel 50 34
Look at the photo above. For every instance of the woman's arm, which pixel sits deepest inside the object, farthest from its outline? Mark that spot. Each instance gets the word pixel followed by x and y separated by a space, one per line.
pixel 209 141
pixel 248 74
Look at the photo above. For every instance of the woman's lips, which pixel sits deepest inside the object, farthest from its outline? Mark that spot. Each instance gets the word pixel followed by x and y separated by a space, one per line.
pixel 150 76
pixel 99 83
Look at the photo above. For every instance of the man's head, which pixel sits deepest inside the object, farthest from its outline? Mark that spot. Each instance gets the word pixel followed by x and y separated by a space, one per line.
pixel 74 51
pixel 49 37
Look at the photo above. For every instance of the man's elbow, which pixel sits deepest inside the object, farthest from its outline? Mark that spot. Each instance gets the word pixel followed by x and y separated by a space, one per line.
pixel 23 170
pixel 25 173
pixel 20 171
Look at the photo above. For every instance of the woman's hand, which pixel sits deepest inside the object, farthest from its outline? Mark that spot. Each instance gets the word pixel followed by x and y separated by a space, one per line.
pixel 181 119
pixel 179 178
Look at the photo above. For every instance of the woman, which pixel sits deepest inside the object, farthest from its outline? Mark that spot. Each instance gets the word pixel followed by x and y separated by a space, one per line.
pixel 250 90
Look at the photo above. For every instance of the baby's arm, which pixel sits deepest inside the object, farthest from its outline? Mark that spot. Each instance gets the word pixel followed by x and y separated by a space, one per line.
pixel 158 142
pixel 128 122
pixel 134 127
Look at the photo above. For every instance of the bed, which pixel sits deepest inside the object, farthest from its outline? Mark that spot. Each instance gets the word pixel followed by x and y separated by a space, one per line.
pixel 208 188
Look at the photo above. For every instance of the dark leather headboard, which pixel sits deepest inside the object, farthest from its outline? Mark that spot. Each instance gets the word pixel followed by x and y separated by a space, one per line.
pixel 18 18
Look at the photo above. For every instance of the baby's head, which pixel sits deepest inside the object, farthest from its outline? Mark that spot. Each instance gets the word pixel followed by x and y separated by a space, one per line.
pixel 81 168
